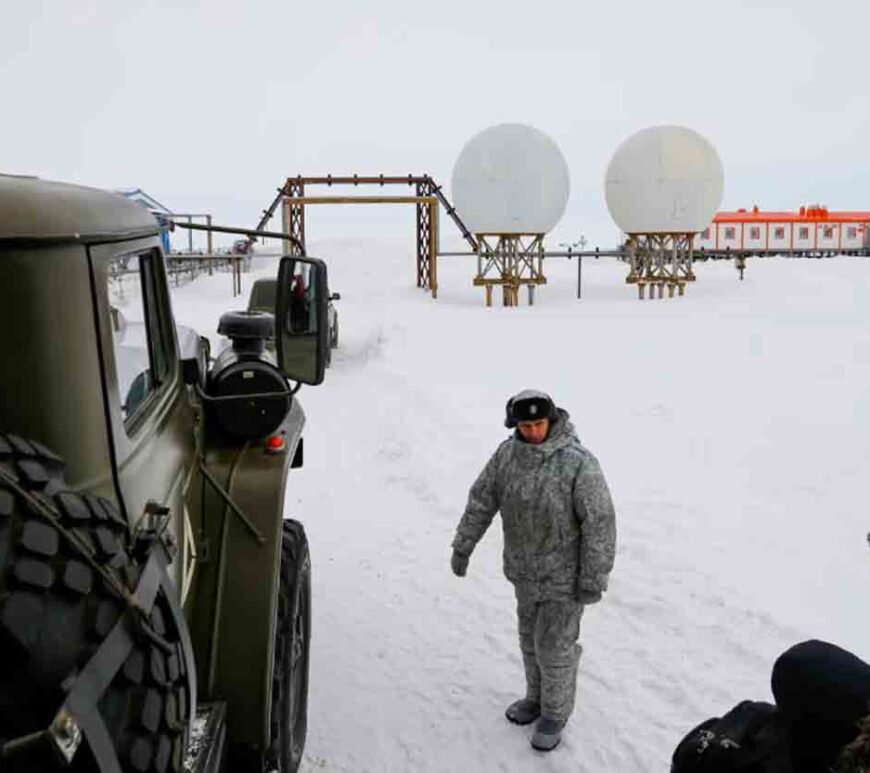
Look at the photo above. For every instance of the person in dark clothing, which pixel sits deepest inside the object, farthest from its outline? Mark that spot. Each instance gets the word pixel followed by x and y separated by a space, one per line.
pixel 298 306
pixel 823 694
pixel 820 724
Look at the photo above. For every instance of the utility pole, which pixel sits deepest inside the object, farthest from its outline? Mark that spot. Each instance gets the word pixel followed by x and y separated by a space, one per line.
pixel 570 246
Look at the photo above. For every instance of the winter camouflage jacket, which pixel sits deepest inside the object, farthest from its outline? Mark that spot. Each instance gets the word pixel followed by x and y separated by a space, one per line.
pixel 558 519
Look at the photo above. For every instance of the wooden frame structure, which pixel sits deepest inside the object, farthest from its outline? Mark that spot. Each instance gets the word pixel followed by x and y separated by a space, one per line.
pixel 293 199
pixel 293 216
pixel 509 261
pixel 660 260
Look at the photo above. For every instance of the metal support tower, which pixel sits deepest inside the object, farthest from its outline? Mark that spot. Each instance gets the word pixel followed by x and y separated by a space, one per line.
pixel 660 260
pixel 427 236
pixel 293 214
pixel 292 199
pixel 509 261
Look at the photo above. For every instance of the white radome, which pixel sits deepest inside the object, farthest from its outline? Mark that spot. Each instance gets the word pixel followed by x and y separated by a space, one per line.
pixel 510 179
pixel 664 179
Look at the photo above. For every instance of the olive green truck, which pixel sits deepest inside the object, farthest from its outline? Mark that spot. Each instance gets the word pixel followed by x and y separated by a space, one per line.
pixel 155 604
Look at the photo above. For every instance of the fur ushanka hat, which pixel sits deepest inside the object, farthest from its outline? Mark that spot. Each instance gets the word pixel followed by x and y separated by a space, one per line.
pixel 529 405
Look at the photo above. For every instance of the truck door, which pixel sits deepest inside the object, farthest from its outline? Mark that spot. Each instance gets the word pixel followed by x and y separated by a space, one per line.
pixel 148 412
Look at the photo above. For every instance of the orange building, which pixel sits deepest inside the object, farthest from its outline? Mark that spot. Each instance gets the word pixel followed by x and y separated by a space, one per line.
pixel 810 229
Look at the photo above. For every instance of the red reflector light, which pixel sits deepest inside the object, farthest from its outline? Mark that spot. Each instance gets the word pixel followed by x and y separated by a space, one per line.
pixel 275 443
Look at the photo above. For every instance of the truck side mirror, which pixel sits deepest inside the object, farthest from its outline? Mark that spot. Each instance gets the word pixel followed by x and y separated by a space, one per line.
pixel 301 327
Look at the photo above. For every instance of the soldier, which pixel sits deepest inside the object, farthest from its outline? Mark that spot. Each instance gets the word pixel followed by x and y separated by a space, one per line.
pixel 559 544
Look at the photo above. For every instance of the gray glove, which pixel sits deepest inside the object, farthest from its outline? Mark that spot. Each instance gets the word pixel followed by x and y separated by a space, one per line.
pixel 587 595
pixel 459 564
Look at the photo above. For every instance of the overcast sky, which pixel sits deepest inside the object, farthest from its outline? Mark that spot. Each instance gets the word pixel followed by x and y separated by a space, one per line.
pixel 208 106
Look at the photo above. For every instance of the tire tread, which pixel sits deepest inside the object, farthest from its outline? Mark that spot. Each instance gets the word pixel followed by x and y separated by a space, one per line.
pixel 55 611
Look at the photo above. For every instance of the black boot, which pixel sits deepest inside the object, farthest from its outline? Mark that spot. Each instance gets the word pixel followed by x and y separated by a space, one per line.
pixel 523 711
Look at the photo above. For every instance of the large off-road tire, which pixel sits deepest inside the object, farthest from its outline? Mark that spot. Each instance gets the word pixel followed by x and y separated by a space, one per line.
pixel 292 640
pixel 56 609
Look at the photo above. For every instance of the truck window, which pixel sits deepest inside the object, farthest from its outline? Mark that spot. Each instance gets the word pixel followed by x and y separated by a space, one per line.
pixel 142 348
pixel 263 295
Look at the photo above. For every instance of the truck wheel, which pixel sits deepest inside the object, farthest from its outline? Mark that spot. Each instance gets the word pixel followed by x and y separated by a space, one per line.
pixel 56 610
pixel 335 335
pixel 292 638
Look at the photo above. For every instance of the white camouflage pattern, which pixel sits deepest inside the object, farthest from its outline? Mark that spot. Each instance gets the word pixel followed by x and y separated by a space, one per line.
pixel 548 640
pixel 557 515
pixel 559 546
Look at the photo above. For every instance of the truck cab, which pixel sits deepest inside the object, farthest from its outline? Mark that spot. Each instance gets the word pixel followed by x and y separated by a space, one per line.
pixel 97 374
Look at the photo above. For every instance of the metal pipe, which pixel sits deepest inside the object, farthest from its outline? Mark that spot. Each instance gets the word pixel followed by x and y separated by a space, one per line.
pixel 699 255
pixel 246 232
pixel 584 253
pixel 357 180
pixel 361 200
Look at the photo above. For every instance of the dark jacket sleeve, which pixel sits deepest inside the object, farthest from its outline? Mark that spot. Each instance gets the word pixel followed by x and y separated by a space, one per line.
pixel 483 504
pixel 594 510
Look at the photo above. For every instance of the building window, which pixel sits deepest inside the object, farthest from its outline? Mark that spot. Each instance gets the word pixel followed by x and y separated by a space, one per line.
pixel 779 233
pixel 851 232
pixel 730 233
pixel 705 234
pixel 803 233
pixel 828 232
pixel 755 232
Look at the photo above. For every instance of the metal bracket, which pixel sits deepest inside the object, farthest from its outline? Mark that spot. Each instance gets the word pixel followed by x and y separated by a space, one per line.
pixel 66 735
pixel 232 505
pixel 191 556
pixel 152 529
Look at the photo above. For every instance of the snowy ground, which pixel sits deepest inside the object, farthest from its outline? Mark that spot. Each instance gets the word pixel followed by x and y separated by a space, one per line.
pixel 732 425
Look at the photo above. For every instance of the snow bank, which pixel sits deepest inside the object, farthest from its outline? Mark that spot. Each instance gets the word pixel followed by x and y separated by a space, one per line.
pixel 732 425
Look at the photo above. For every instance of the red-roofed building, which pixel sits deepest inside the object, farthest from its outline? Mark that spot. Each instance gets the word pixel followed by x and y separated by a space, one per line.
pixel 807 230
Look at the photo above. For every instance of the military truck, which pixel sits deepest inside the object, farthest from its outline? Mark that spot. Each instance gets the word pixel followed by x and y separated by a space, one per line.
pixel 155 604
pixel 262 298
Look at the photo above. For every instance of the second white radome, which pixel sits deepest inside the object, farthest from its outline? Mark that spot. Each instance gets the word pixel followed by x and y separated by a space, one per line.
pixel 664 179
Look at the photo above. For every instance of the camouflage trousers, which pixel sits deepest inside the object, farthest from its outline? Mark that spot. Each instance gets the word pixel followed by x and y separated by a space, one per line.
pixel 548 640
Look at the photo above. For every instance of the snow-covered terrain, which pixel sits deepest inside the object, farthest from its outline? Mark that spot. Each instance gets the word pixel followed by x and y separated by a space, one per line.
pixel 732 425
